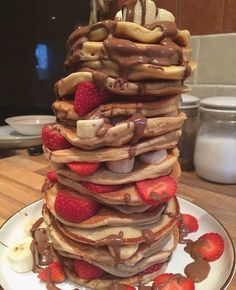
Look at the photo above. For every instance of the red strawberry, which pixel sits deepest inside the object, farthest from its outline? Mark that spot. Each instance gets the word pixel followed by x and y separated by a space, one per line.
pixel 83 168
pixel 88 97
pixel 53 272
pixel 152 269
pixel 173 282
pixel 129 288
pixel 210 246
pixel 99 188
pixel 52 176
pixel 52 139
pixel 87 271
pixel 189 222
pixel 157 190
pixel 73 207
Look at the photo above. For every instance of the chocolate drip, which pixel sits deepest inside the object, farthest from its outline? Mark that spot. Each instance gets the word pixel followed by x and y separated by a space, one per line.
pixel 50 283
pixel 197 271
pixel 140 123
pixel 149 236
pixel 130 8
pixel 115 242
pixel 127 197
pixel 132 152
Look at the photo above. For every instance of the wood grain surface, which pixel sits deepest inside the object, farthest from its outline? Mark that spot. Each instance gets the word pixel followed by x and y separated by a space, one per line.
pixel 22 176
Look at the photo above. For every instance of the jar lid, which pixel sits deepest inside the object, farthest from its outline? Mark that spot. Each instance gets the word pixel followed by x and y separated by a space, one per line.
pixel 218 108
pixel 219 103
pixel 189 102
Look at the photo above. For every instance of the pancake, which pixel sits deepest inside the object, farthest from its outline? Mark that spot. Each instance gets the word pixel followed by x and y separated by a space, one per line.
pixel 90 51
pixel 128 30
pixel 141 72
pixel 118 197
pixel 130 235
pixel 165 141
pixel 64 109
pixel 107 281
pixel 124 132
pixel 140 172
pixel 105 216
pixel 67 85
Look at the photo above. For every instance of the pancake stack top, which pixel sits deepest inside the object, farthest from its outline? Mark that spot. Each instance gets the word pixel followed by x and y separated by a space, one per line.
pixel 114 147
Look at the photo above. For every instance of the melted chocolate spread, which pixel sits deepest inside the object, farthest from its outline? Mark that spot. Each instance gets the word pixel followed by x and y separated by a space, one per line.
pixel 115 242
pixel 124 52
pixel 140 123
pixel 199 269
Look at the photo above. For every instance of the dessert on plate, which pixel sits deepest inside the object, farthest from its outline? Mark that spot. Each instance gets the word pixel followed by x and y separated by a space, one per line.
pixel 111 219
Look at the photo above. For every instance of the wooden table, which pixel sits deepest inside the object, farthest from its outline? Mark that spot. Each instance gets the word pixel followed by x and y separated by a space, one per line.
pixel 21 178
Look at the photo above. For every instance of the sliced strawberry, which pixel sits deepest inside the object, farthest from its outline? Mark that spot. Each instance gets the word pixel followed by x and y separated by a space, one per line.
pixel 87 271
pixel 170 281
pixel 83 168
pixel 152 269
pixel 99 188
pixel 189 222
pixel 210 246
pixel 163 278
pixel 157 190
pixel 89 97
pixel 52 272
pixel 73 207
pixel 52 139
pixel 129 288
pixel 52 176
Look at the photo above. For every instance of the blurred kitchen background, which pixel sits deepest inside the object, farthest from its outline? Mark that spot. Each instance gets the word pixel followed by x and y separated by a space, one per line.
pixel 33 48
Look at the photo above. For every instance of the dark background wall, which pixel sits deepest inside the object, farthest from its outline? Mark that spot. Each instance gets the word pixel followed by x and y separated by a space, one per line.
pixel 27 23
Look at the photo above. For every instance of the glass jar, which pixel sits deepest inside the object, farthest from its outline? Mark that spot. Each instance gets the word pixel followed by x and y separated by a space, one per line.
pixel 189 106
pixel 215 149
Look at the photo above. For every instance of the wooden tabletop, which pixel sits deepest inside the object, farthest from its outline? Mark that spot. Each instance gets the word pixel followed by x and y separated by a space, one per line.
pixel 22 176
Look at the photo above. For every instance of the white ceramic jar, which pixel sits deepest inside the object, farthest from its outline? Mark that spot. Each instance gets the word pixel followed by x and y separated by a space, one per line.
pixel 189 106
pixel 215 148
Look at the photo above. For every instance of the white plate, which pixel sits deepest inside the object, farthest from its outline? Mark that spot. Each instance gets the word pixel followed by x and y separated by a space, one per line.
pixel 221 274
pixel 9 138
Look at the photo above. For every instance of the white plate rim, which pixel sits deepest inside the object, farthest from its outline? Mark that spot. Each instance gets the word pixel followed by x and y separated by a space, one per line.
pixel 233 268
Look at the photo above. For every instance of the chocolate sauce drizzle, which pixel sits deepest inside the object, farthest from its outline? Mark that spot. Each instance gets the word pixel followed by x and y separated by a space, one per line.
pixel 126 53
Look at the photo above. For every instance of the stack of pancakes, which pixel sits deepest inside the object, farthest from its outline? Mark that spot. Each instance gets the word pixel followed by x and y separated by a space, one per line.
pixel 143 67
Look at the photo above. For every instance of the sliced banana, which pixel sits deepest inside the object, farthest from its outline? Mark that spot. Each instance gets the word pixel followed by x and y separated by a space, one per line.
pixel 121 166
pixel 150 16
pixel 20 257
pixel 87 129
pixel 165 15
pixel 126 251
pixel 154 157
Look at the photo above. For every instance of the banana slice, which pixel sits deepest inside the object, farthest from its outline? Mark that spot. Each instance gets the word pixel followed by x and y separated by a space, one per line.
pixel 165 15
pixel 150 15
pixel 153 157
pixel 121 166
pixel 126 251
pixel 20 257
pixel 87 129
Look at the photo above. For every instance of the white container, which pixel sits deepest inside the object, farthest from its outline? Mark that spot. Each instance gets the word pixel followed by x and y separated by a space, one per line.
pixel 215 148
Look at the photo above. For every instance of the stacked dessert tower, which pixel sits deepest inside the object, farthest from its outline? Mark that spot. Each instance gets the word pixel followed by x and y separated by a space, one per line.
pixel 112 212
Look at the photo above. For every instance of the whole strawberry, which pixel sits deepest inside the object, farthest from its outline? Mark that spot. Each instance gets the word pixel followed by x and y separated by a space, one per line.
pixel 87 271
pixel 73 207
pixel 88 97
pixel 52 139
